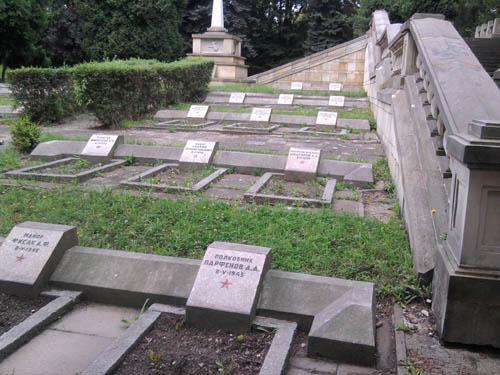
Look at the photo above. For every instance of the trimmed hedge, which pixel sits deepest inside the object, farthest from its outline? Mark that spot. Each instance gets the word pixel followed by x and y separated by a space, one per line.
pixel 45 94
pixel 113 90
pixel 131 89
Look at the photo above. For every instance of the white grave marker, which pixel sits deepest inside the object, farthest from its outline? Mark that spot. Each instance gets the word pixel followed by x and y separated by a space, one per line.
pixel 336 101
pixel 197 154
pixel 327 118
pixel 261 115
pixel 102 146
pixel 335 87
pixel 237 98
pixel 296 86
pixel 285 99
pixel 198 112
pixel 302 164
pixel 30 254
pixel 227 287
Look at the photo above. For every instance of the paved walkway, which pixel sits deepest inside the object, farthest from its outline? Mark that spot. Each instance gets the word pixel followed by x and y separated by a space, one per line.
pixel 69 345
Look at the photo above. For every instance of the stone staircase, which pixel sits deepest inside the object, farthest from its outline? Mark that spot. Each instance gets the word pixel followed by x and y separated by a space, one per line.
pixel 487 52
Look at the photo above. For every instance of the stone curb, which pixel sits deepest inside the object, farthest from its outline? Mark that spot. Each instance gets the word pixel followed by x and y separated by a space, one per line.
pixel 398 320
pixel 114 354
pixel 29 173
pixel 18 335
pixel 275 362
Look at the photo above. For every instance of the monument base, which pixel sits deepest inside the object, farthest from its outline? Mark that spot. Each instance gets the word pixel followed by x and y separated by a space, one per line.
pixel 466 304
pixel 225 50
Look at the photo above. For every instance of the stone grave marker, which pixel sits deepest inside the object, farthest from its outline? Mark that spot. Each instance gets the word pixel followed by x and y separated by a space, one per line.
pixel 327 119
pixel 262 115
pixel 337 101
pixel 335 87
pixel 227 287
pixel 198 113
pixel 197 154
pixel 237 98
pixel 302 164
pixel 101 147
pixel 297 86
pixel 30 254
pixel 285 99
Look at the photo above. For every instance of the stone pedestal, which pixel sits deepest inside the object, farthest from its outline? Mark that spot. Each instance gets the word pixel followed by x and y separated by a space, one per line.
pixel 225 50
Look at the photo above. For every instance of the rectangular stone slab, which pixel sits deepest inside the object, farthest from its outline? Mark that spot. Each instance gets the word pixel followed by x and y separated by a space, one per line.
pixel 285 99
pixel 101 147
pixel 198 112
pixel 297 86
pixel 326 118
pixel 197 154
pixel 335 87
pixel 336 101
pixel 227 287
pixel 29 255
pixel 302 164
pixel 237 98
pixel 261 115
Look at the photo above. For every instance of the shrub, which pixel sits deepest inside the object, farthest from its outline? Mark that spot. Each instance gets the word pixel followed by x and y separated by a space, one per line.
pixel 131 89
pixel 25 134
pixel 45 94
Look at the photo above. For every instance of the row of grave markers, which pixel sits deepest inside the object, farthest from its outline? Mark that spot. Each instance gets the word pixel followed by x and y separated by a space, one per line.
pixel 331 87
pixel 263 115
pixel 283 99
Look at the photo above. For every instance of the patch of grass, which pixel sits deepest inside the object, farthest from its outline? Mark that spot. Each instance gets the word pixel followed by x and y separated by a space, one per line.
pixel 47 137
pixel 7 101
pixel 138 123
pixel 270 90
pixel 135 141
pixel 9 159
pixel 317 242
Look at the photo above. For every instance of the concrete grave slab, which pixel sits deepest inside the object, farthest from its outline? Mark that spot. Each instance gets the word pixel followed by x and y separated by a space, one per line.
pixel 227 287
pixel 302 164
pixel 285 99
pixel 326 120
pixel 261 115
pixel 198 112
pixel 336 101
pixel 237 98
pixel 197 154
pixel 30 253
pixel 296 86
pixel 245 128
pixel 335 87
pixel 101 147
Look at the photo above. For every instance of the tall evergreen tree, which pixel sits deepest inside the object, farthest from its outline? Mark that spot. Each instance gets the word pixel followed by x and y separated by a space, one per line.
pixel 22 26
pixel 131 28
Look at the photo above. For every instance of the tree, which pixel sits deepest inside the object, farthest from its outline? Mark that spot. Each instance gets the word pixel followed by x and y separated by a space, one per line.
pixel 328 24
pixel 64 38
pixel 131 28
pixel 22 26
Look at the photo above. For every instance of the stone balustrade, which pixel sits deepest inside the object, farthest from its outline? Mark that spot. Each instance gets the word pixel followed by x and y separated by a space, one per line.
pixel 488 30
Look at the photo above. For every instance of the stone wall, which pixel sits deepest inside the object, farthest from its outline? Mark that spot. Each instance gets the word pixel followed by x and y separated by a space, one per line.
pixel 340 64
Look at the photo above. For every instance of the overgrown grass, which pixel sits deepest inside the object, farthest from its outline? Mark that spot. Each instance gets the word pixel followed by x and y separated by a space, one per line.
pixel 7 101
pixel 270 90
pixel 320 242
pixel 47 137
pixel 9 159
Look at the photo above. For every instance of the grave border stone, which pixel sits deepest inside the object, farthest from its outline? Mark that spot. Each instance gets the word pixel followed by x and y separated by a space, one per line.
pixel 65 238
pixel 218 312
pixel 180 124
pixel 29 173
pixel 253 194
pixel 244 128
pixel 135 181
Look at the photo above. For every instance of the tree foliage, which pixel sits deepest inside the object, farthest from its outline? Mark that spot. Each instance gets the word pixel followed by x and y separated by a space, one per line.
pixel 131 28
pixel 23 24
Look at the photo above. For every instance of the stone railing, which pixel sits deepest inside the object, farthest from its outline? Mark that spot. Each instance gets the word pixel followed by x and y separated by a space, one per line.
pixel 462 108
pixel 488 30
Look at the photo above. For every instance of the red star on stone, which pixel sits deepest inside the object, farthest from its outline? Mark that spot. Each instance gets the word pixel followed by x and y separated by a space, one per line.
pixel 225 284
pixel 196 156
pixel 302 162
pixel 20 258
